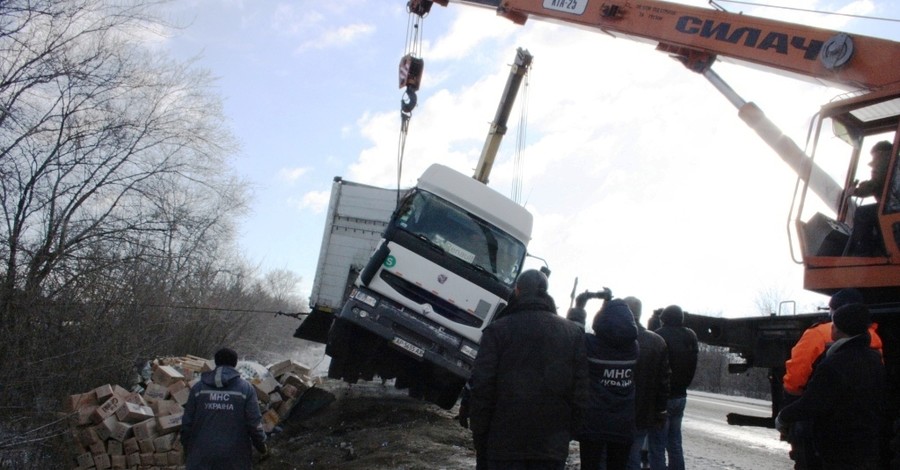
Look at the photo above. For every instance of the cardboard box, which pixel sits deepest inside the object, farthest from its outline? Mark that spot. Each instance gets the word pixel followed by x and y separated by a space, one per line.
pixel 120 431
pixel 135 398
pixel 107 408
pixel 147 429
pixel 161 459
pixel 176 458
pixel 133 413
pixel 85 460
pixel 133 460
pixel 117 461
pixel 106 428
pixel 97 448
pixel 103 392
pixel 282 367
pixel 166 407
pixel 155 392
pixel 114 448
pixel 166 375
pixel 101 461
pixel 130 446
pixel 85 415
pixel 169 423
pixel 265 385
pixel 270 419
pixel 164 443
pixel 181 396
pixel 146 446
pixel 75 402
pixel 295 380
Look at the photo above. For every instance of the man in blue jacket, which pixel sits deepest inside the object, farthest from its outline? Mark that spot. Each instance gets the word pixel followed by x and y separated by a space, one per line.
pixel 221 420
pixel 609 424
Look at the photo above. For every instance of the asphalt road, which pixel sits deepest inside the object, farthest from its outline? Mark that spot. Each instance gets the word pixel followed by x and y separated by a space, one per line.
pixel 711 443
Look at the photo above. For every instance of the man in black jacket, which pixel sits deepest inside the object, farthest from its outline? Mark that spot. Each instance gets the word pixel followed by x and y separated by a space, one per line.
pixel 529 382
pixel 844 396
pixel 683 348
pixel 651 385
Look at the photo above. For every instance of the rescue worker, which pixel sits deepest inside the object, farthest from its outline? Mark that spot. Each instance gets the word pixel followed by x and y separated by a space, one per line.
pixel 528 383
pixel 612 351
pixel 804 355
pixel 844 397
pixel 222 421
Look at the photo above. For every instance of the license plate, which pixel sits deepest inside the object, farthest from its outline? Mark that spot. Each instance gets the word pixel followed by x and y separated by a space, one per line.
pixel 406 345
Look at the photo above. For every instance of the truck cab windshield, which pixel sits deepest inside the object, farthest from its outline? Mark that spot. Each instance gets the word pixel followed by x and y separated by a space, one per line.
pixel 459 233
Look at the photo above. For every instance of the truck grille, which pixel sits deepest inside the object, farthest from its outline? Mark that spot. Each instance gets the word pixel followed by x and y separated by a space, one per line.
pixel 439 305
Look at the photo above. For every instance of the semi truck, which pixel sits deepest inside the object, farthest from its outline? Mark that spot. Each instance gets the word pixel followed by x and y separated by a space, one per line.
pixel 407 279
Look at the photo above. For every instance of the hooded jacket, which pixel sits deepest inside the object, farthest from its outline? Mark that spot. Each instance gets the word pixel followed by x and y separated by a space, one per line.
pixel 844 400
pixel 683 348
pixel 221 421
pixel 612 353
pixel 529 382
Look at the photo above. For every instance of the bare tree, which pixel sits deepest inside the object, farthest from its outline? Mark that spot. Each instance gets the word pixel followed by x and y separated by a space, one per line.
pixel 102 144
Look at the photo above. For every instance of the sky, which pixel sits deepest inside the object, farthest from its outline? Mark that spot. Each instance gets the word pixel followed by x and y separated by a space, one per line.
pixel 640 175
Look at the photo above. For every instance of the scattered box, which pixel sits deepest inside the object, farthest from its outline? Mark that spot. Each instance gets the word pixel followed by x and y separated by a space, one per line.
pixel 166 375
pixel 169 423
pixel 147 429
pixel 133 413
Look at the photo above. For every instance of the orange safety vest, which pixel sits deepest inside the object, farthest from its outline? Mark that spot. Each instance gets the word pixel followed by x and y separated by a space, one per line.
pixel 809 347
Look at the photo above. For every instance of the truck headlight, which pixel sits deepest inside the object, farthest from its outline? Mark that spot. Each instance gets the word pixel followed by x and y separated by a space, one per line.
pixel 468 351
pixel 364 298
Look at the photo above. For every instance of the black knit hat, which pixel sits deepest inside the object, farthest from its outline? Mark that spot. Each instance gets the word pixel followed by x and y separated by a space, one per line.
pixel 852 319
pixel 672 316
pixel 531 282
pixel 226 357
pixel 845 297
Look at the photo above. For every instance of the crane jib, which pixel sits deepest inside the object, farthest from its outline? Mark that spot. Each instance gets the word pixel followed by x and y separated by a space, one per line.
pixel 750 37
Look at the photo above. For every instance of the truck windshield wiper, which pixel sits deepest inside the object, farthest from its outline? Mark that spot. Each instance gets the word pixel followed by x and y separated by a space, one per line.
pixel 434 246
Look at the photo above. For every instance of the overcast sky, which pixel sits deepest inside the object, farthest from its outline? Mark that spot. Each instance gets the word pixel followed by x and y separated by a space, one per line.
pixel 641 176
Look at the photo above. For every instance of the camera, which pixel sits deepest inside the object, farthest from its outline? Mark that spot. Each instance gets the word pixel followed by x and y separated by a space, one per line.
pixel 582 298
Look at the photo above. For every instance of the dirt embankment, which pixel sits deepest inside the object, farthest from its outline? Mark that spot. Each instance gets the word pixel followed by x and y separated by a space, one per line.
pixel 374 427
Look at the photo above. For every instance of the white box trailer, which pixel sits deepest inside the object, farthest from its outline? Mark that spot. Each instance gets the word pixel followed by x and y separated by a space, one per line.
pixel 356 218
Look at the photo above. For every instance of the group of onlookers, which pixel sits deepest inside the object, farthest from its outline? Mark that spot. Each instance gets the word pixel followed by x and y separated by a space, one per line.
pixel 540 381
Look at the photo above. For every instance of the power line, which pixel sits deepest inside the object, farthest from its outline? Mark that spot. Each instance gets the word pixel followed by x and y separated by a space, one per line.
pixel 879 18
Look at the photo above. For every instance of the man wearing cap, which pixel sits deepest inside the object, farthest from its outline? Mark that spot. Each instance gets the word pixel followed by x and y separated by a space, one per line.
pixel 529 382
pixel 799 367
pixel 651 385
pixel 865 240
pixel 221 422
pixel 683 349
pixel 845 396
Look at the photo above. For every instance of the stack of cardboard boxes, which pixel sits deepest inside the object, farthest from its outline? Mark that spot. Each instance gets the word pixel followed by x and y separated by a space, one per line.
pixel 114 428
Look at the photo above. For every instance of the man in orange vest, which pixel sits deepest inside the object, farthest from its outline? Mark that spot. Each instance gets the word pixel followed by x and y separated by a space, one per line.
pixel 799 368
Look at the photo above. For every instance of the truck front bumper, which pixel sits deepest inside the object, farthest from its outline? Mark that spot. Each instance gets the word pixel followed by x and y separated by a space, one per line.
pixel 410 333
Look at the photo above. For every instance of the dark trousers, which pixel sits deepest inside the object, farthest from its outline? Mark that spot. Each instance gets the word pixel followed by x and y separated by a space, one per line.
pixel 595 453
pixel 865 239
pixel 526 464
